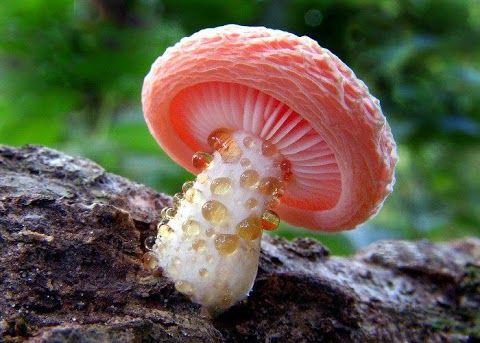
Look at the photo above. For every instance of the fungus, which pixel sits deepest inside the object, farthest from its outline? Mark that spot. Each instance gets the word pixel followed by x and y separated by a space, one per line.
pixel 274 126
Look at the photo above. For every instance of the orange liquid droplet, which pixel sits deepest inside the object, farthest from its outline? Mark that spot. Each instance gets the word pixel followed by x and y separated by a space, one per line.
pixel 249 178
pixel 215 212
pixel 201 160
pixel 199 245
pixel 268 149
pixel 221 186
pixel 251 203
pixel 270 220
pixel 271 186
pixel 222 141
pixel 218 138
pixel 250 228
pixel 226 244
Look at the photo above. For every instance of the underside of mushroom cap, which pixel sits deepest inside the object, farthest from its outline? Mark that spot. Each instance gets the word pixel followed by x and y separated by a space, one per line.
pixel 286 89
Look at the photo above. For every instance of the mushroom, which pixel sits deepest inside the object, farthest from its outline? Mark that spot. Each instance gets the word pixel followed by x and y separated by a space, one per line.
pixel 270 122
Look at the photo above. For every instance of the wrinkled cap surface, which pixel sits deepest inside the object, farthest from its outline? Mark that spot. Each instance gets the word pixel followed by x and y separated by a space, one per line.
pixel 290 91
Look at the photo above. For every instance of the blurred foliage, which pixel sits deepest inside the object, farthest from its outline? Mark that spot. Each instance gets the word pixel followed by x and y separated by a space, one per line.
pixel 71 75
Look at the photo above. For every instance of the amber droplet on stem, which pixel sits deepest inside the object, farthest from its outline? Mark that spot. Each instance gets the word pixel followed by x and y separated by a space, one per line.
pixel 226 244
pixel 191 228
pixel 201 160
pixel 270 220
pixel 271 186
pixel 222 141
pixel 221 186
pixel 199 245
pixel 165 231
pixel 168 213
pixel 268 149
pixel 249 178
pixel 193 195
pixel 218 138
pixel 250 228
pixel 177 199
pixel 187 185
pixel 215 212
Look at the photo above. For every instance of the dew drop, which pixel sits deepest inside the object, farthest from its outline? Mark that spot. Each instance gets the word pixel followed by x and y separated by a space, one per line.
pixel 249 178
pixel 165 231
pixel 248 142
pixel 203 272
pixel 201 160
pixel 268 149
pixel 245 163
pixel 199 245
pixel 222 141
pixel 215 212
pixel 221 186
pixel 168 213
pixel 226 244
pixel 149 242
pixel 187 185
pixel 251 203
pixel 149 261
pixel 191 227
pixel 270 220
pixel 177 199
pixel 184 287
pixel 271 186
pixel 193 195
pixel 218 138
pixel 162 222
pixel 250 228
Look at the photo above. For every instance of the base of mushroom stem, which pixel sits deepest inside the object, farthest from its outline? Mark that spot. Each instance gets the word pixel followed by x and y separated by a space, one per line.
pixel 209 242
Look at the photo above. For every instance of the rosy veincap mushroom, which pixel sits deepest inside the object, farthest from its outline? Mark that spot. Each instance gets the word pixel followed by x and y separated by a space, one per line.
pixel 284 125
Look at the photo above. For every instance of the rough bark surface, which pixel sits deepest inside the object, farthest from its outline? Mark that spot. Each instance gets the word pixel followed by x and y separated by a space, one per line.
pixel 70 271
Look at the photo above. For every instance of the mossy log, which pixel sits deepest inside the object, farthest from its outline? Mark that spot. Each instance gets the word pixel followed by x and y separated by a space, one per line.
pixel 71 247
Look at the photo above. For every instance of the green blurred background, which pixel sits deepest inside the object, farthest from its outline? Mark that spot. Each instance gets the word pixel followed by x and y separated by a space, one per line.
pixel 71 74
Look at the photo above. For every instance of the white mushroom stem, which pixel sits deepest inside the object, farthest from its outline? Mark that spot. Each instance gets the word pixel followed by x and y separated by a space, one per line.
pixel 210 246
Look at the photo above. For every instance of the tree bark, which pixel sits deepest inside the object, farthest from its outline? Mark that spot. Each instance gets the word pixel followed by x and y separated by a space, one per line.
pixel 71 246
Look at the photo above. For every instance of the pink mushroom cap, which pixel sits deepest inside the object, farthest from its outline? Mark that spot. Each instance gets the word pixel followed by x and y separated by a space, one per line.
pixel 290 91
